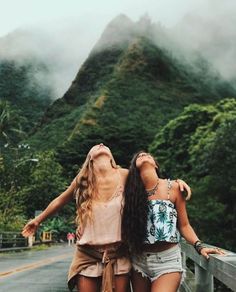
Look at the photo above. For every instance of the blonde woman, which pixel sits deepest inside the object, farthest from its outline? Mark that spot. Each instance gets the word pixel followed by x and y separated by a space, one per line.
pixel 100 261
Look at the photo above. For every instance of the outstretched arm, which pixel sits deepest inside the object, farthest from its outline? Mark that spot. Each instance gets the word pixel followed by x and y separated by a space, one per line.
pixel 55 205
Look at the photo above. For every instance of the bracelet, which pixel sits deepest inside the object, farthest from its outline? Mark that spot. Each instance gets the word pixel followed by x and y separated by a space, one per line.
pixel 198 245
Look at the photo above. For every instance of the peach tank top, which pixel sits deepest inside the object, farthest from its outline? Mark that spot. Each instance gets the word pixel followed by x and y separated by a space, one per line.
pixel 105 226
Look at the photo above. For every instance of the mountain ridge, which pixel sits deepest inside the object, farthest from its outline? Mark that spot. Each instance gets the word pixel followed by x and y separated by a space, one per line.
pixel 120 85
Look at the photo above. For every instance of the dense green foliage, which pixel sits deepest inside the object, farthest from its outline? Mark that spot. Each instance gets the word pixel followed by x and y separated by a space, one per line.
pixel 199 145
pixel 59 227
pixel 126 110
pixel 23 91
pixel 11 124
pixel 28 183
pixel 132 95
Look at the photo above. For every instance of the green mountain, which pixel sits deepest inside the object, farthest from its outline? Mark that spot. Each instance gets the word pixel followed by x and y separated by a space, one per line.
pixel 126 90
pixel 134 91
pixel 22 90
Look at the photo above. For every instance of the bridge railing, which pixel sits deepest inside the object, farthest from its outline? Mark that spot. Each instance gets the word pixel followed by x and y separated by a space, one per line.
pixel 220 267
pixel 12 239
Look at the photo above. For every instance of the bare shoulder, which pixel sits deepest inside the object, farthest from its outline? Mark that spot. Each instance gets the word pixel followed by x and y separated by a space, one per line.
pixel 124 172
pixel 176 193
pixel 174 185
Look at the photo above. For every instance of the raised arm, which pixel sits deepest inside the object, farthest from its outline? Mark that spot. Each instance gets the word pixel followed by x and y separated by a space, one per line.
pixel 55 205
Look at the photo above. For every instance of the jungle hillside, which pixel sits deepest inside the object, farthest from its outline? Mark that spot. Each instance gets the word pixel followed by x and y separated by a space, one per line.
pixel 136 90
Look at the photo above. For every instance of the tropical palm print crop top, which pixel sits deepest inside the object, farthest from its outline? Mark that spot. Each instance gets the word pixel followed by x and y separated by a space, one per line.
pixel 162 220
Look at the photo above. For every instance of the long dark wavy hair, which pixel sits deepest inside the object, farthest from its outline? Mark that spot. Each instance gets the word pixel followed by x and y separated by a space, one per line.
pixel 134 219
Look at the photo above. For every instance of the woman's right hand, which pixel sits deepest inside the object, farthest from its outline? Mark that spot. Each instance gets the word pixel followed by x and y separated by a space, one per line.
pixel 30 228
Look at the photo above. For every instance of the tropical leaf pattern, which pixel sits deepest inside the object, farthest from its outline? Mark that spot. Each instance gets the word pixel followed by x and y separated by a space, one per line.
pixel 162 222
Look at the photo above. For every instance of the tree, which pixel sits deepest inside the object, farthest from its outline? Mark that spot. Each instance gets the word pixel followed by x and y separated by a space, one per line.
pixel 199 145
pixel 171 144
pixel 10 124
pixel 45 182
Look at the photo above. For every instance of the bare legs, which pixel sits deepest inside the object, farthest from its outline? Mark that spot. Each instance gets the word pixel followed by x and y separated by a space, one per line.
pixel 93 284
pixel 140 283
pixel 165 283
pixel 88 284
pixel 122 283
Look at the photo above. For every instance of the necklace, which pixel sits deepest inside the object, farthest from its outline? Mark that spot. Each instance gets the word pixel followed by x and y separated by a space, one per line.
pixel 118 190
pixel 152 191
pixel 116 193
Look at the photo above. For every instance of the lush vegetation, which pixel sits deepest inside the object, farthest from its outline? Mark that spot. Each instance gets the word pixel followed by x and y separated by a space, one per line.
pixel 147 88
pixel 131 96
pixel 198 145
pixel 29 181
pixel 22 88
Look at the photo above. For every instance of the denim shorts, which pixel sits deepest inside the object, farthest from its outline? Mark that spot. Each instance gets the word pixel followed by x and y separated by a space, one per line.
pixel 154 264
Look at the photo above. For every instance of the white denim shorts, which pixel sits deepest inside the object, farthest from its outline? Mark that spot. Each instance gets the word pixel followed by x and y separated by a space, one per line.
pixel 154 264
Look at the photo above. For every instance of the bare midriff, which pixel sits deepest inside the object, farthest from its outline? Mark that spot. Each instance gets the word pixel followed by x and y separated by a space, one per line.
pixel 159 246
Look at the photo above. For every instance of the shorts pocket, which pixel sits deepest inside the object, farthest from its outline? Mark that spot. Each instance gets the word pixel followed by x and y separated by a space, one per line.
pixel 171 257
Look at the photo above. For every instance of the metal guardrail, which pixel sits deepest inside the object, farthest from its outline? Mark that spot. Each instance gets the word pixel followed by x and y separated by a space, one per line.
pixel 15 239
pixel 12 239
pixel 221 267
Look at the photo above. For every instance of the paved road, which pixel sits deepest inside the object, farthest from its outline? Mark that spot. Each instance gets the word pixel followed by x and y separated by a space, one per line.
pixel 36 271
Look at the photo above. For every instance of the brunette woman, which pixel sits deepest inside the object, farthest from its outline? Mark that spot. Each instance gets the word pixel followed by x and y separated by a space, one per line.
pixel 154 218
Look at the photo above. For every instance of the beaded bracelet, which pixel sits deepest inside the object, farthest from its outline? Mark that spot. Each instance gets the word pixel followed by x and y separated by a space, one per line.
pixel 198 245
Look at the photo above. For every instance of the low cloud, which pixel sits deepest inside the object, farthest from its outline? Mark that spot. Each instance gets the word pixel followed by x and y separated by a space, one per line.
pixel 63 48
pixel 210 31
pixel 65 45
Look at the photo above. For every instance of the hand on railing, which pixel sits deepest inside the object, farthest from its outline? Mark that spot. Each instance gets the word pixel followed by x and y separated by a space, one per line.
pixel 205 251
pixel 30 228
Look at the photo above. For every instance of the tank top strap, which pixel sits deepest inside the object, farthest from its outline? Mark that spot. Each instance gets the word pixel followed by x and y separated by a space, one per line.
pixel 169 185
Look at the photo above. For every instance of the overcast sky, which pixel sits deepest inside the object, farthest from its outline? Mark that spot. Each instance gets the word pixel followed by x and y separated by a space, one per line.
pixel 65 31
pixel 25 13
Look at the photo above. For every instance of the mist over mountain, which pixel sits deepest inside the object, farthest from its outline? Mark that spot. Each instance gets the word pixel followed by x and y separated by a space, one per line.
pixel 51 48
pixel 64 46
pixel 126 81
pixel 135 69
pixel 170 91
pixel 210 31
pixel 21 90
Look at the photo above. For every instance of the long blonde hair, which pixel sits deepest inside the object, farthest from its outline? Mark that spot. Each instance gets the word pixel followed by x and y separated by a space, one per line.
pixel 86 190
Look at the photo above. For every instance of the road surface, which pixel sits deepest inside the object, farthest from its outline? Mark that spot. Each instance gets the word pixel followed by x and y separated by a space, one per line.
pixel 36 270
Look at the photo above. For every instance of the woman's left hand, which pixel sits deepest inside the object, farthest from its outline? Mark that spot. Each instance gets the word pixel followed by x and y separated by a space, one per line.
pixel 30 228
pixel 205 251
pixel 183 186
